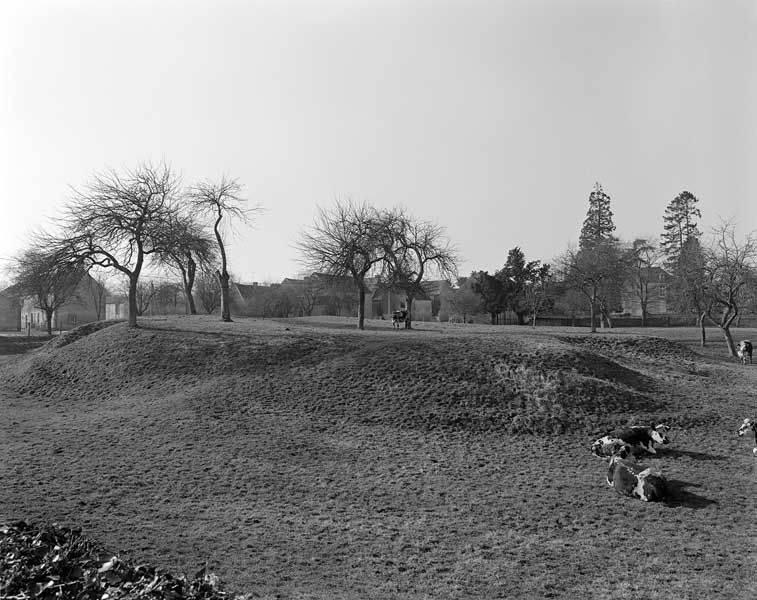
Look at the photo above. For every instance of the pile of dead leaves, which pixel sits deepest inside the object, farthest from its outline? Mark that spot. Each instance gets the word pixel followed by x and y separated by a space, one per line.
pixel 58 562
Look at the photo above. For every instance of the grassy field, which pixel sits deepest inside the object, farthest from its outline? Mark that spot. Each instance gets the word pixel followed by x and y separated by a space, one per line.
pixel 305 459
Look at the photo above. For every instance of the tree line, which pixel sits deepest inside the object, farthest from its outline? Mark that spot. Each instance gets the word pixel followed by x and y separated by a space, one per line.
pixel 145 218
pixel 129 221
pixel 714 279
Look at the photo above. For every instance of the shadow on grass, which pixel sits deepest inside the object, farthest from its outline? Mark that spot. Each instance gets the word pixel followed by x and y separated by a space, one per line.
pixel 673 453
pixel 678 495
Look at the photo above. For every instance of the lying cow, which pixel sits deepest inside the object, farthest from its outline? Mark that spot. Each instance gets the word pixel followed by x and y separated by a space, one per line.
pixel 639 437
pixel 747 426
pixel 744 351
pixel 399 316
pixel 631 479
pixel 608 446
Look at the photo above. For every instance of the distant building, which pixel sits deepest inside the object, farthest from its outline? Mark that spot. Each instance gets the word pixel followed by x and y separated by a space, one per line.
pixel 657 289
pixel 84 305
pixel 10 309
pixel 116 308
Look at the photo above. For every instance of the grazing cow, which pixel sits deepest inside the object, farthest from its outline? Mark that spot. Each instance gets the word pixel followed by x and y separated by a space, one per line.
pixel 638 481
pixel 744 351
pixel 747 426
pixel 639 437
pixel 399 316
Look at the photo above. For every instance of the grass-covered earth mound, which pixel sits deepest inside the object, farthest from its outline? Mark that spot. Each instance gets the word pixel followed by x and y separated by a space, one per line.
pixel 495 382
pixel 305 459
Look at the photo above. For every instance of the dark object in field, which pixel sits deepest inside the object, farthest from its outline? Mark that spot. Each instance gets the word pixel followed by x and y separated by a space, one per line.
pixel 399 316
pixel 49 561
pixel 639 437
pixel 749 425
pixel 744 351
pixel 638 481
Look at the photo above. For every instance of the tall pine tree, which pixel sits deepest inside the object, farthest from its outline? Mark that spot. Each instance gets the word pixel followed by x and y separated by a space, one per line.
pixel 598 225
pixel 680 226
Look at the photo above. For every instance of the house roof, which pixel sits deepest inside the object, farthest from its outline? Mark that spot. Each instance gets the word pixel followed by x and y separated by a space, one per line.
pixel 434 288
pixel 247 290
pixel 12 291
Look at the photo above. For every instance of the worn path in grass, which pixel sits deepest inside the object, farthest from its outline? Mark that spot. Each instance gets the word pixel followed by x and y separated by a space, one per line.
pixel 252 468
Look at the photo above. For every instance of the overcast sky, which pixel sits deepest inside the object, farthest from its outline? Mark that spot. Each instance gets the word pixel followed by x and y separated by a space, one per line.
pixel 491 118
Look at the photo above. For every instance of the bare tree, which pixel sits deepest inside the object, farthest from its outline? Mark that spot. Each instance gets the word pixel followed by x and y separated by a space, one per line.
pixel 689 286
pixel 537 289
pixel 119 221
pixel 218 200
pixel 208 290
pixel 598 273
pixel 50 281
pixel 730 267
pixel 97 294
pixel 462 300
pixel 146 293
pixel 412 248
pixel 309 295
pixel 189 247
pixel 644 258
pixel 346 241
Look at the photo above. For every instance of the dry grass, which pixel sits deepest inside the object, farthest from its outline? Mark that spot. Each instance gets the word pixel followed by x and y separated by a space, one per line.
pixel 304 459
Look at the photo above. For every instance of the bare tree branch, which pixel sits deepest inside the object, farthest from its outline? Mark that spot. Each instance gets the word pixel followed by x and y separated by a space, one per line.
pixel 219 199
pixel 118 221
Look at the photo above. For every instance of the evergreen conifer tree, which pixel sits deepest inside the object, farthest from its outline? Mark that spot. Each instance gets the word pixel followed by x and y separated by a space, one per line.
pixel 680 226
pixel 598 225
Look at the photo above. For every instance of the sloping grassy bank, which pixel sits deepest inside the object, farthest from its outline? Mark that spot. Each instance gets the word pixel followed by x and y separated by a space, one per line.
pixel 301 461
pixel 513 384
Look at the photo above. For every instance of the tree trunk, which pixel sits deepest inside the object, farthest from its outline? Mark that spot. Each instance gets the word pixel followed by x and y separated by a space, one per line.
pixel 188 276
pixel 593 313
pixel 729 341
pixel 223 274
pixel 703 331
pixel 133 300
pixel 223 280
pixel 360 305
pixel 725 325
pixel 192 308
pixel 408 318
pixel 49 319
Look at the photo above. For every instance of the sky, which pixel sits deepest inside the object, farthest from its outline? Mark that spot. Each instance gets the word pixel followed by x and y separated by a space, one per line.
pixel 491 118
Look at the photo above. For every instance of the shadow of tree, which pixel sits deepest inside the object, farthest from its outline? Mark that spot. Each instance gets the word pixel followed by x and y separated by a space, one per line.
pixel 678 495
pixel 675 453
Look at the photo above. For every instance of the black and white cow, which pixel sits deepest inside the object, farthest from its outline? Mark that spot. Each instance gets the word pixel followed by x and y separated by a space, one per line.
pixel 399 316
pixel 639 437
pixel 608 446
pixel 747 426
pixel 744 351
pixel 638 481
